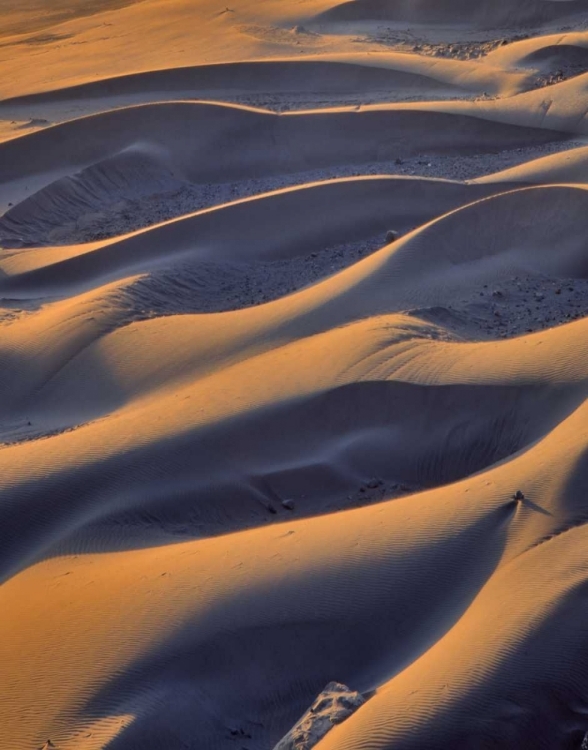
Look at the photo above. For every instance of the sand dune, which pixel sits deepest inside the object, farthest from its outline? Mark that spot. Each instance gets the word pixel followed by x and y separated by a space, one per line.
pixel 82 166
pixel 347 74
pixel 220 234
pixel 544 49
pixel 569 168
pixel 484 14
pixel 168 130
pixel 293 316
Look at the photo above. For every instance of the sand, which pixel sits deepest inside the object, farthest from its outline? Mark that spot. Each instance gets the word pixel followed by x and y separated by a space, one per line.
pixel 293 324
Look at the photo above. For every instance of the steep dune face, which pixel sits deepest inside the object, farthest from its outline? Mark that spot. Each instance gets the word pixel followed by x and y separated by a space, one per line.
pixel 293 364
pixel 483 14
pixel 279 144
pixel 280 76
pixel 147 150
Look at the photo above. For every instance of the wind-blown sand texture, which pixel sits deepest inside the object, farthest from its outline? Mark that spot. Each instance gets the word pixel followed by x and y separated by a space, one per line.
pixel 249 446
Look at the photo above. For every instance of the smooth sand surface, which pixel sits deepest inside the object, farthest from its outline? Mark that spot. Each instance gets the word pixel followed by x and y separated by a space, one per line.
pixel 293 372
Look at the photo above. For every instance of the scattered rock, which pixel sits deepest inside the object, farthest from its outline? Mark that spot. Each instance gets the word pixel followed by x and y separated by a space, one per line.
pixel 584 745
pixel 373 484
pixel 335 704
pixel 240 733
pixel 518 495
pixel 288 504
pixel 391 236
pixel 302 30
pixel 34 122
pixel 526 305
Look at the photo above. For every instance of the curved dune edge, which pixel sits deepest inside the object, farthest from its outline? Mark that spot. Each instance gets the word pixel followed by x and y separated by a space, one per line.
pixel 166 128
pixel 74 170
pixel 328 73
pixel 483 14
pixel 372 204
pixel 177 397
pixel 569 168
pixel 80 49
pixel 507 535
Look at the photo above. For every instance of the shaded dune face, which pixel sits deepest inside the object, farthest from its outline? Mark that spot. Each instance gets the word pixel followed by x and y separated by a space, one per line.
pixel 278 144
pixel 560 54
pixel 152 150
pixel 363 433
pixel 485 14
pixel 281 76
pixel 293 374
